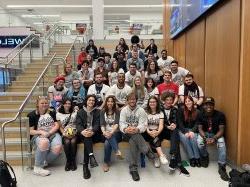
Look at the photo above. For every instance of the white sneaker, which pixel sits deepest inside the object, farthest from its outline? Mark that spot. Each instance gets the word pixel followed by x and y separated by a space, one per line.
pixel 40 171
pixel 157 163
pixel 163 159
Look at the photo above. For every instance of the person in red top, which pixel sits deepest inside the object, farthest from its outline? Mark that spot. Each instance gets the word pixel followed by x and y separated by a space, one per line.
pixel 82 56
pixel 169 86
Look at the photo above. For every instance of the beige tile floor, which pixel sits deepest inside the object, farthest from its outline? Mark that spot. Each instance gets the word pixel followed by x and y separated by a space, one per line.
pixel 118 176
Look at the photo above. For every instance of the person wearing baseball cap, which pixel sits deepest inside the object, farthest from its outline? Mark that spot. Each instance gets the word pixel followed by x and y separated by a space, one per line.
pixel 56 92
pixel 211 125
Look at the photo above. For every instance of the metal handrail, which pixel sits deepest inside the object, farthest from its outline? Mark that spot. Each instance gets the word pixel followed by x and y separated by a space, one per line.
pixel 19 51
pixel 32 34
pixel 52 32
pixel 21 108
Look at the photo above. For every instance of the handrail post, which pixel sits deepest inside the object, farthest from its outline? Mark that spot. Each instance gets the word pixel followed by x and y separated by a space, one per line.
pixel 20 60
pixel 5 67
pixel 3 142
pixel 30 52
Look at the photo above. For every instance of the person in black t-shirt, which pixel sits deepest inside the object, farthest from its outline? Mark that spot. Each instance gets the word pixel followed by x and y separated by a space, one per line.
pixel 211 124
pixel 45 137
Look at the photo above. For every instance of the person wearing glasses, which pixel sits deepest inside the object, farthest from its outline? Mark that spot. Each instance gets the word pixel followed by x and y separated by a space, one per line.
pixel 45 138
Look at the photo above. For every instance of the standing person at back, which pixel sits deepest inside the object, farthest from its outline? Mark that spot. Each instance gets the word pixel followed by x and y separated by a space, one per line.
pixel 152 48
pixel 165 60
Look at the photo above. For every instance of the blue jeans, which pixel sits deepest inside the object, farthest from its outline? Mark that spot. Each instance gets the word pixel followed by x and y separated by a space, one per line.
pixel 46 155
pixel 109 145
pixel 221 147
pixel 190 145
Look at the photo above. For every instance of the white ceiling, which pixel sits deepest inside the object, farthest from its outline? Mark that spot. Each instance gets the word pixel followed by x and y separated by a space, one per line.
pixel 76 12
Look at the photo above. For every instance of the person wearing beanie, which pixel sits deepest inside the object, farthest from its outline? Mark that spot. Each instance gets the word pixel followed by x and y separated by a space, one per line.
pixel 56 92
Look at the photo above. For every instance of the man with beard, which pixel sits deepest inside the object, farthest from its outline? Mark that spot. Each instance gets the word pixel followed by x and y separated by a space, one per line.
pixel 190 88
pixel 178 73
pixel 120 90
pixel 133 122
pixel 98 89
pixel 165 60
pixel 211 125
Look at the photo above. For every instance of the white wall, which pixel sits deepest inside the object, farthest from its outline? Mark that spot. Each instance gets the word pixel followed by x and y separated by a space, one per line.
pixel 9 20
pixel 153 19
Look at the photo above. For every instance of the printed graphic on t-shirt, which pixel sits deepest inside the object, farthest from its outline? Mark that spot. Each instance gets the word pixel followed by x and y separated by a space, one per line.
pixel 110 121
pixel 132 120
pixel 45 122
pixel 154 120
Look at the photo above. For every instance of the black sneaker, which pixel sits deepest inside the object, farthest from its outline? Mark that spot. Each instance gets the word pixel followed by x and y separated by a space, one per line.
pixel 192 162
pixel 135 175
pixel 92 161
pixel 172 164
pixel 204 161
pixel 73 166
pixel 150 155
pixel 223 173
pixel 198 162
pixel 67 166
pixel 86 172
pixel 183 171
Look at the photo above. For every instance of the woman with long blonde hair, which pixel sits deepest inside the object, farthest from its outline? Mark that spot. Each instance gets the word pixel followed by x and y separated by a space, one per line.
pixel 140 92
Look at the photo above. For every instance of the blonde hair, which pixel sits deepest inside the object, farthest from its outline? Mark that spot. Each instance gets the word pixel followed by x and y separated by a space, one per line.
pixel 141 88
pixel 39 99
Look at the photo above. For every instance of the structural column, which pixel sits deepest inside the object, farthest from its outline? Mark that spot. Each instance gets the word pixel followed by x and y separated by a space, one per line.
pixel 98 19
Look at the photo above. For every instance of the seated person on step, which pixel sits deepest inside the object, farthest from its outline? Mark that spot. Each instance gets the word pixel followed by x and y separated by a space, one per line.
pixel 45 137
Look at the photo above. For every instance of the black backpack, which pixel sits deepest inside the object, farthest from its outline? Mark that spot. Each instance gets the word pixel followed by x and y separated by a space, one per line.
pixel 6 179
pixel 239 179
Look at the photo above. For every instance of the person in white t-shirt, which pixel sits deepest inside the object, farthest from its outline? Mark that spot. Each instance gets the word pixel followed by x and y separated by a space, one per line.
pixel 178 73
pixel 152 90
pixel 131 74
pixel 56 92
pixel 66 118
pixel 98 89
pixel 154 129
pixel 190 88
pixel 120 90
pixel 165 60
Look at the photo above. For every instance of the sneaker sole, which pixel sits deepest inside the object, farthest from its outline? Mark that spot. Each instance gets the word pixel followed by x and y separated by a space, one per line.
pixel 38 174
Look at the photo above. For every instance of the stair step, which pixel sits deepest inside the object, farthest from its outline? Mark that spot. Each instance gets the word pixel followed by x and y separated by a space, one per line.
pixel 14 144
pixel 14 158
pixel 16 123
pixel 13 112
pixel 25 89
pixel 18 96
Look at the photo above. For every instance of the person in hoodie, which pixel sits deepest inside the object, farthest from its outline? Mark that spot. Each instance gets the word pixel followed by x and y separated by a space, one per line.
pixel 88 126
pixel 92 49
pixel 133 122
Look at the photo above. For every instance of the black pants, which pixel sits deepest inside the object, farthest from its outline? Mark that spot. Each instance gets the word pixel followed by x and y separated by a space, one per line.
pixel 153 142
pixel 174 138
pixel 70 148
pixel 88 145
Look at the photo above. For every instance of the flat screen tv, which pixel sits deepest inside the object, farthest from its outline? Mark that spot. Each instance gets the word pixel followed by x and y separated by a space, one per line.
pixel 184 12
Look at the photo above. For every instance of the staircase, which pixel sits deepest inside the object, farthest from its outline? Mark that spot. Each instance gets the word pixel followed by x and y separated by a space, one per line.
pixel 11 100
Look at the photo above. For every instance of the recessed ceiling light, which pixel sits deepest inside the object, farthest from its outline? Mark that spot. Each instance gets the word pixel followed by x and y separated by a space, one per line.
pixel 48 6
pixel 37 16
